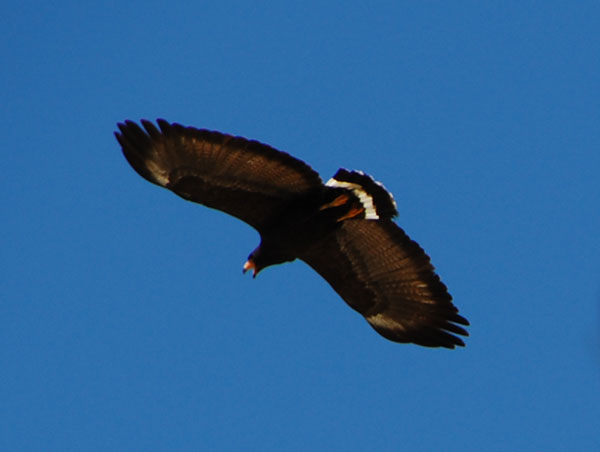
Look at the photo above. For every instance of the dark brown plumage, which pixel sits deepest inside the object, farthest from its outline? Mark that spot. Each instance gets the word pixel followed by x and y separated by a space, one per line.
pixel 343 229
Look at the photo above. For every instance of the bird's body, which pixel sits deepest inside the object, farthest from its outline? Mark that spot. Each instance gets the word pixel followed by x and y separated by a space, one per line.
pixel 292 232
pixel 343 229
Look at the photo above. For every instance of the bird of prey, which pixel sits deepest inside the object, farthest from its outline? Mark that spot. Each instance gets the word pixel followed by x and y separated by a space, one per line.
pixel 343 229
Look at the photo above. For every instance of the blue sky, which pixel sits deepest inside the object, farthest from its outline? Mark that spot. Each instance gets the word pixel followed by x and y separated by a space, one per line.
pixel 125 321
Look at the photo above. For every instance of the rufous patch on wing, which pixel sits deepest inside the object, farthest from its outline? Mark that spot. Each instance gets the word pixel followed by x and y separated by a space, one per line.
pixel 355 211
pixel 339 201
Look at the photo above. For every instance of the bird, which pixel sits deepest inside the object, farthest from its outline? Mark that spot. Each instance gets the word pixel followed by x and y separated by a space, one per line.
pixel 344 228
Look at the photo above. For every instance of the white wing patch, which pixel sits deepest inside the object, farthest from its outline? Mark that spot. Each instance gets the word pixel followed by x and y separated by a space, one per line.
pixel 362 173
pixel 381 321
pixel 365 199
pixel 158 173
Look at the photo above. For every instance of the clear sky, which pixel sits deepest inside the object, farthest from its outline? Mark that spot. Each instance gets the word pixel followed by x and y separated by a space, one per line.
pixel 125 321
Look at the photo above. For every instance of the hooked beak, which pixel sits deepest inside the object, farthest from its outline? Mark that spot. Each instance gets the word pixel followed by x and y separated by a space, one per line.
pixel 250 265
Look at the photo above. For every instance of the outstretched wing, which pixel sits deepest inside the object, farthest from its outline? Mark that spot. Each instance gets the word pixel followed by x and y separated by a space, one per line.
pixel 381 273
pixel 247 179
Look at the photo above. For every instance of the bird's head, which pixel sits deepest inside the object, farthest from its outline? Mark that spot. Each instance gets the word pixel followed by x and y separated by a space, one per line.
pixel 254 263
pixel 250 265
pixel 264 256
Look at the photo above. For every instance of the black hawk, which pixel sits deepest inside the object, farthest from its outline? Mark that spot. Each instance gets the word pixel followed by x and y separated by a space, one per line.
pixel 343 229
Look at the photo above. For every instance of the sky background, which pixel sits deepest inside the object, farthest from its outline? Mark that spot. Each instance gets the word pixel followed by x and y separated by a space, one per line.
pixel 125 321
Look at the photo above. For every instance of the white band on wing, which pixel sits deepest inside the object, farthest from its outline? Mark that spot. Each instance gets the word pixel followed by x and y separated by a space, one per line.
pixel 365 199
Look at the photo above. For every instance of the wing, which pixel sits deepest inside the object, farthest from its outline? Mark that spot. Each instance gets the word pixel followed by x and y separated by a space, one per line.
pixel 381 273
pixel 243 178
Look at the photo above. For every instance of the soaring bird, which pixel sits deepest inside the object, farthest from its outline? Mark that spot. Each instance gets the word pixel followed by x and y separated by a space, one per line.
pixel 343 228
